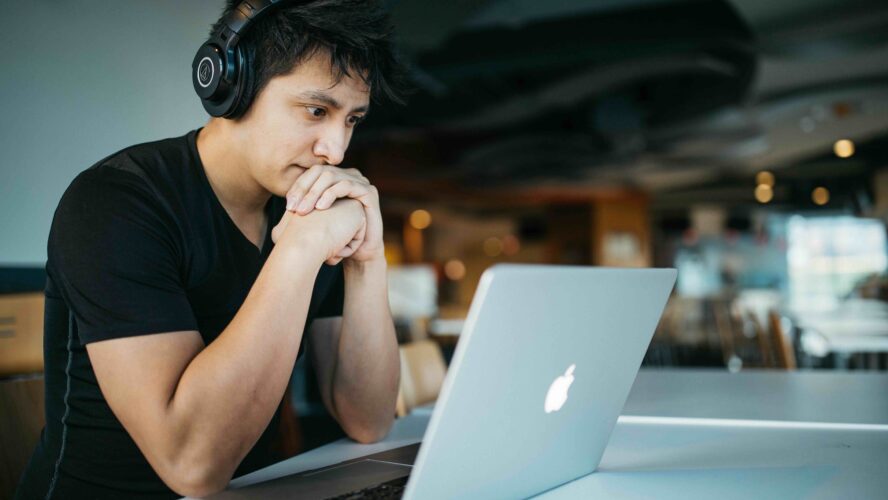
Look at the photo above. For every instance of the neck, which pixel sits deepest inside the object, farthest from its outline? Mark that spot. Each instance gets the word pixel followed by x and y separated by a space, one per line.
pixel 227 169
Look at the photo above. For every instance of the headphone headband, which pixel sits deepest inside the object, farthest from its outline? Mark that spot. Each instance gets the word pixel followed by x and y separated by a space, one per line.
pixel 246 13
pixel 220 72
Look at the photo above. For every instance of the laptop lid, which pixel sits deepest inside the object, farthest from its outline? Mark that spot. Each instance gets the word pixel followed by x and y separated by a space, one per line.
pixel 543 367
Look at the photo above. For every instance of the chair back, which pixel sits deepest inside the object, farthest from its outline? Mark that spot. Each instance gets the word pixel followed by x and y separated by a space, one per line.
pixel 21 420
pixel 21 334
pixel 422 374
pixel 785 355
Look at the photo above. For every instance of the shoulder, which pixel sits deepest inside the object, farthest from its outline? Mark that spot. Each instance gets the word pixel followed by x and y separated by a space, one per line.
pixel 133 177
pixel 132 192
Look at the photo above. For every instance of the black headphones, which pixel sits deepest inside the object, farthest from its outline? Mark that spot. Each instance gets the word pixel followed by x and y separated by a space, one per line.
pixel 221 70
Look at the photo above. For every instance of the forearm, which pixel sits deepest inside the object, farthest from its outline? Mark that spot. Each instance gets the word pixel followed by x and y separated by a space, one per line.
pixel 230 391
pixel 367 372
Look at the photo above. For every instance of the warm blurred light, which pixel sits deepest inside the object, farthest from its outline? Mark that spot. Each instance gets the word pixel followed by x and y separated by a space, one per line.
pixel 842 109
pixel 493 246
pixel 420 219
pixel 820 195
pixel 455 269
pixel 765 177
pixel 764 193
pixel 844 148
pixel 511 245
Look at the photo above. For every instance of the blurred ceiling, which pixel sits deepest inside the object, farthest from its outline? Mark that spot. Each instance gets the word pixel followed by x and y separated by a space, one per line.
pixel 670 96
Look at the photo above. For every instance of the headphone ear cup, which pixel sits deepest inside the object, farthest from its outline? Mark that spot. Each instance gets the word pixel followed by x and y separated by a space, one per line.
pixel 210 77
pixel 207 72
pixel 244 88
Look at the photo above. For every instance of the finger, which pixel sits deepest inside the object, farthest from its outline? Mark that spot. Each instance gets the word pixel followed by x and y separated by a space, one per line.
pixel 355 246
pixel 353 172
pixel 342 189
pixel 322 184
pixel 303 184
pixel 355 243
pixel 362 233
pixel 278 230
pixel 347 251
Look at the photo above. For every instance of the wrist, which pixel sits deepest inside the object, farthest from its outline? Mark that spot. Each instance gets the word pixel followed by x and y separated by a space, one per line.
pixel 361 267
pixel 305 249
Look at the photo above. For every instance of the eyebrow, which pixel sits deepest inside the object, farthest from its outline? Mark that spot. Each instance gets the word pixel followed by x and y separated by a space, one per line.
pixel 318 96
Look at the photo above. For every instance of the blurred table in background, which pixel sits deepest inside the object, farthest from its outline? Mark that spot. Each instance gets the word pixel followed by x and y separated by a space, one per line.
pixel 857 326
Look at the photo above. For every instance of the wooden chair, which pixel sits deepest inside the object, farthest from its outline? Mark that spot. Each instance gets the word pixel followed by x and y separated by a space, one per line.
pixel 21 384
pixel 422 374
pixel 21 334
pixel 290 441
pixel 767 359
pixel 785 355
pixel 721 311
pixel 21 420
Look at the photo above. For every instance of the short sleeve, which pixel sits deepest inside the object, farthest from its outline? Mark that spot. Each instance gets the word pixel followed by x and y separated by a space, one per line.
pixel 331 304
pixel 113 254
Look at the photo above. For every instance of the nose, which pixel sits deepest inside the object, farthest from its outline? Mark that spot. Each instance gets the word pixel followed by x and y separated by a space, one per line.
pixel 331 144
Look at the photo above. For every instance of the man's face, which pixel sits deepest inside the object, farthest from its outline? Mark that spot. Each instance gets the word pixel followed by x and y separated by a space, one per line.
pixel 301 119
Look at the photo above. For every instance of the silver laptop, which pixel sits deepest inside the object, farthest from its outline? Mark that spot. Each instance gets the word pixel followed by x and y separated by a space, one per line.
pixel 543 367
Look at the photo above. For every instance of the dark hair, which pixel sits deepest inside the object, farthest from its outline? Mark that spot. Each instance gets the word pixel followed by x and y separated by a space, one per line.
pixel 355 33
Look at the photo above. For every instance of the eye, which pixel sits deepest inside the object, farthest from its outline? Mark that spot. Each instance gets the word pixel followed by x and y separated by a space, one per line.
pixel 355 119
pixel 316 111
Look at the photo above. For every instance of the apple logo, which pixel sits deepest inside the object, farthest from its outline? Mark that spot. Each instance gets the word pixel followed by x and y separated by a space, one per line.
pixel 557 395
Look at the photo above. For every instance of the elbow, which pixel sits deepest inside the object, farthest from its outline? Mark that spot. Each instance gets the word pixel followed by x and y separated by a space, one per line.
pixel 369 434
pixel 196 480
pixel 198 490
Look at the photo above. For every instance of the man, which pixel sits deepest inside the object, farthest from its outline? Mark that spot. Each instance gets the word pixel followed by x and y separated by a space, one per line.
pixel 182 273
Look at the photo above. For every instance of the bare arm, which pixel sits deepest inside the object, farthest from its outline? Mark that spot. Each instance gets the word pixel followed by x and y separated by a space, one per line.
pixel 197 411
pixel 356 356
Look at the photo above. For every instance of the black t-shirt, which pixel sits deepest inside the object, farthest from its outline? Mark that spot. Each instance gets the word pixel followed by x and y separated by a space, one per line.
pixel 139 244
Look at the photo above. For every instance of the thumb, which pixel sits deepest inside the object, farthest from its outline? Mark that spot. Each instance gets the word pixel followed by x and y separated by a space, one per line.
pixel 281 226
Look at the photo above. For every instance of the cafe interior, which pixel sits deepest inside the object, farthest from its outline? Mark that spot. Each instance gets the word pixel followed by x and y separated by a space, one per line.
pixel 742 142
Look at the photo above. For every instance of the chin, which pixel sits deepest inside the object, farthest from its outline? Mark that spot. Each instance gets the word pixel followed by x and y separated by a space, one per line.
pixel 286 179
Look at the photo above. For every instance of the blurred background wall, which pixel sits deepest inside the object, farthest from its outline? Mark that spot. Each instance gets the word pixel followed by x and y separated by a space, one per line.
pixel 80 80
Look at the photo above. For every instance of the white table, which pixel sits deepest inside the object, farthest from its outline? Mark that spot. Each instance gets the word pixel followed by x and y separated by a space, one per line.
pixel 857 325
pixel 693 434
pixel 796 396
pixel 728 462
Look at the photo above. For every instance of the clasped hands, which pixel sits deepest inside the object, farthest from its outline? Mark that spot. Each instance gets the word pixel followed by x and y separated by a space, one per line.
pixel 319 188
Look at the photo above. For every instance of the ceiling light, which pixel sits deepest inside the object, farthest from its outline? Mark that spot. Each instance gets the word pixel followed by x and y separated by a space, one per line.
pixel 493 246
pixel 820 195
pixel 844 148
pixel 764 177
pixel 455 269
pixel 420 219
pixel 511 245
pixel 764 193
